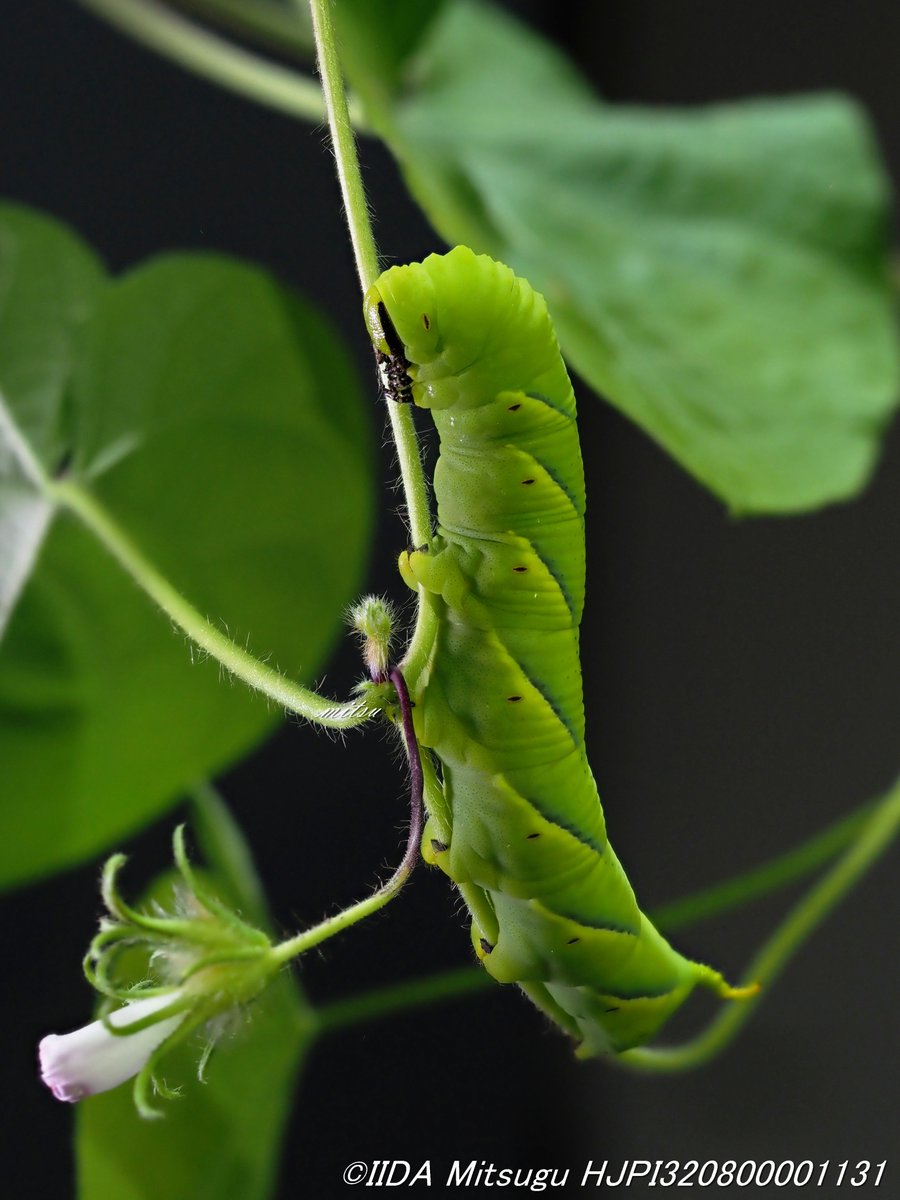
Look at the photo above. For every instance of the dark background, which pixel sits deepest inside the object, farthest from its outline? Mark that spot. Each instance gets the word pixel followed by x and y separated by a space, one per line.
pixel 742 679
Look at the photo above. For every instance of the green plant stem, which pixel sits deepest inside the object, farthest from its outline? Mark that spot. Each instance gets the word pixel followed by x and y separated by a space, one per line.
pixel 874 838
pixel 464 981
pixel 344 143
pixel 366 256
pixel 416 993
pixel 214 58
pixel 269 24
pixel 795 864
pixel 300 700
pixel 292 947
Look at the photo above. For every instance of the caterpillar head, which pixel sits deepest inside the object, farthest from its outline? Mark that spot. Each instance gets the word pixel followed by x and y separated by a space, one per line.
pixel 449 318
pixel 403 336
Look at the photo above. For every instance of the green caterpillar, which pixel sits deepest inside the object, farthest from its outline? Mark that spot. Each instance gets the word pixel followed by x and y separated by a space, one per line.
pixel 516 821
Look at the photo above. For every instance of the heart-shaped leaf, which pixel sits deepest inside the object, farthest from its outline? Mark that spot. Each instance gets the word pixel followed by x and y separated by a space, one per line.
pixel 720 275
pixel 214 416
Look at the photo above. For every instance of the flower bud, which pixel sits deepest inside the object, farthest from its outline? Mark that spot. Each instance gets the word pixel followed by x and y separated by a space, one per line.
pixel 209 961
pixel 94 1059
pixel 373 618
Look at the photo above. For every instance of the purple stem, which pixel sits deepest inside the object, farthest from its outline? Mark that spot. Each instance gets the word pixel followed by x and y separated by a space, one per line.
pixel 416 778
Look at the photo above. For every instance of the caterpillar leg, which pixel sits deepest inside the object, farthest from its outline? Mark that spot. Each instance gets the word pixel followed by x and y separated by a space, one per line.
pixel 437 571
pixel 436 838
pixel 539 996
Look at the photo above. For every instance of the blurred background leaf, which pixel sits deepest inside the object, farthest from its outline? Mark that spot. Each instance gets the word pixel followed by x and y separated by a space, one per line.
pixel 718 274
pixel 215 417
pixel 49 281
pixel 377 39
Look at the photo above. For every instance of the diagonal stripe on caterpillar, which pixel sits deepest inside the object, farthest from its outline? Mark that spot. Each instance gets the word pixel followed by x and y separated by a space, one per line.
pixel 516 820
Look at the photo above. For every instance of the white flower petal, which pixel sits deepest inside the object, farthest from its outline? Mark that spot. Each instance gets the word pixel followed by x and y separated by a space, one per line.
pixel 90 1060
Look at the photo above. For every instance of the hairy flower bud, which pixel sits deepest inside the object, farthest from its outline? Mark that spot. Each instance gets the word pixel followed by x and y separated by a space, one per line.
pixel 373 618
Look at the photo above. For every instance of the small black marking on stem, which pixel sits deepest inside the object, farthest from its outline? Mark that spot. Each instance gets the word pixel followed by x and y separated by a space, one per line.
pixel 438 846
pixel 486 945
pixel 62 467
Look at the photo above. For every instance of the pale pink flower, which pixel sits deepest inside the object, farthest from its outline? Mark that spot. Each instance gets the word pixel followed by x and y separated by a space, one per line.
pixel 91 1059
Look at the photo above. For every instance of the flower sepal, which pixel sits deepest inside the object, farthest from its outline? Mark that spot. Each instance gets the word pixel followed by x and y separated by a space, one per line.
pixel 209 964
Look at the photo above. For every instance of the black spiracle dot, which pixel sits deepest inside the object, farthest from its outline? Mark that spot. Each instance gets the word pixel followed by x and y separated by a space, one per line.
pixel 513 699
pixel 437 846
pixel 514 408
pixel 529 837
pixel 426 321
pixel 520 570
pixel 527 482
pixel 572 941
pixel 486 945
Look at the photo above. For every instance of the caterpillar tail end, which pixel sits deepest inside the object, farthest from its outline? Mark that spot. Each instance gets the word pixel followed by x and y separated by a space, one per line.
pixel 745 992
pixel 726 991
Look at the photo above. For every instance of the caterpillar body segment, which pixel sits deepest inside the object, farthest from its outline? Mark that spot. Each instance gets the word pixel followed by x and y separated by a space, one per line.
pixel 516 820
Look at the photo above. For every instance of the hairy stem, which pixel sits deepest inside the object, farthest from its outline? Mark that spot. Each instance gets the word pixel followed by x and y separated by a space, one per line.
pixel 300 700
pixel 213 57
pixel 365 253
pixel 344 144
pixel 326 929
pixel 874 838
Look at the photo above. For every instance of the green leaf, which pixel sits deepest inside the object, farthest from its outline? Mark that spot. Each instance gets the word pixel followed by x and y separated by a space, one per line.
pixel 214 416
pixel 49 281
pixel 223 845
pixel 220 1139
pixel 377 38
pixel 720 275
